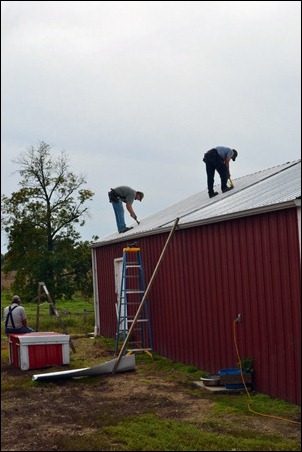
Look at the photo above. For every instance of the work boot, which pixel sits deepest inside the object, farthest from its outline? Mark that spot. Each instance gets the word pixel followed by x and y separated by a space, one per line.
pixel 226 189
pixel 125 229
pixel 215 193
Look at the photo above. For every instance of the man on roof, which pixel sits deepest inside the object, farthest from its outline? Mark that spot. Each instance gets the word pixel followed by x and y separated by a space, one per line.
pixel 120 195
pixel 218 159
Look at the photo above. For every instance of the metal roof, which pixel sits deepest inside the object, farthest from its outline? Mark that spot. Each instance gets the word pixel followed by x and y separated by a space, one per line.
pixel 271 189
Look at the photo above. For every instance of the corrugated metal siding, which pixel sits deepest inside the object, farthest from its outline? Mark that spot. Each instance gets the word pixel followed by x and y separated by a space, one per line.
pixel 208 276
pixel 106 288
pixel 247 197
pixel 258 191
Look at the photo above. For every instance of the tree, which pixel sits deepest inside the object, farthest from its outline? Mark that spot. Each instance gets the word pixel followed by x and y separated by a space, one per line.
pixel 40 220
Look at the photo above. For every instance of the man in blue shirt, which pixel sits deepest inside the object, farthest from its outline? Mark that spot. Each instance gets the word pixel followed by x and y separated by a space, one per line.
pixel 218 159
pixel 127 195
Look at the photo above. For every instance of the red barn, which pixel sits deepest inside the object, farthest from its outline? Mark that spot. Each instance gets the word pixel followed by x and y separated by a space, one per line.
pixel 237 253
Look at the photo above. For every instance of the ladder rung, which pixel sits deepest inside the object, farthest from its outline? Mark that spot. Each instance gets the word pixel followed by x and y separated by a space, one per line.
pixel 134 304
pixel 138 320
pixel 138 349
pixel 130 319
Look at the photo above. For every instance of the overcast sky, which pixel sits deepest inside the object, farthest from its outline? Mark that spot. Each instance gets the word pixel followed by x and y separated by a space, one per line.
pixel 136 91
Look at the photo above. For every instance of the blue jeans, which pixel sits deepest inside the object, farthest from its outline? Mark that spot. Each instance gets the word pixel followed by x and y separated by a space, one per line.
pixel 119 215
pixel 22 330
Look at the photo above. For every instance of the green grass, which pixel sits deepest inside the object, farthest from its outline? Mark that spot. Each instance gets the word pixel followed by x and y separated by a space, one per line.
pixel 149 433
pixel 76 316
pixel 224 427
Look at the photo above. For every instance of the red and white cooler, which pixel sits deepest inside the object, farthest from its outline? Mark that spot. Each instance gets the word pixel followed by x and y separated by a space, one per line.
pixel 35 350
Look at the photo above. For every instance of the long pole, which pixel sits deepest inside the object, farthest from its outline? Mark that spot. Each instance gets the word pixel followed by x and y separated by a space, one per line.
pixel 144 297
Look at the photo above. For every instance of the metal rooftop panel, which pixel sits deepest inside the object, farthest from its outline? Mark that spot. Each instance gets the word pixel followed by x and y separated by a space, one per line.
pixel 265 190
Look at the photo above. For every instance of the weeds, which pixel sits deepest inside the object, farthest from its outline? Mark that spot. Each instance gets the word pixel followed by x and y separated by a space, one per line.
pixel 154 409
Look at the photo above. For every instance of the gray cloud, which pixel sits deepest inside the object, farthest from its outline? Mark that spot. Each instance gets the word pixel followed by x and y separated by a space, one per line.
pixel 136 92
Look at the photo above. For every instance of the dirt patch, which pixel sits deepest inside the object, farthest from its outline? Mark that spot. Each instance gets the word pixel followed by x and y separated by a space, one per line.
pixel 32 417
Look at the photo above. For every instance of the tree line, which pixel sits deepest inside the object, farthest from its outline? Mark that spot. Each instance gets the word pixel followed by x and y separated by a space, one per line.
pixel 40 222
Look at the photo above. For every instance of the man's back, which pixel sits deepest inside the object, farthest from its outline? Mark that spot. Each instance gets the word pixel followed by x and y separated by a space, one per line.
pixel 126 193
pixel 14 315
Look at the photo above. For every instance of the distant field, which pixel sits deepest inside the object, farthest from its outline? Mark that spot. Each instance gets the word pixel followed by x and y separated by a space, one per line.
pixel 77 315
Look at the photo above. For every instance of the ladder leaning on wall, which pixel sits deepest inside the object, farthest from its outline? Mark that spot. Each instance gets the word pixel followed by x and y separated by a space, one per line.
pixel 131 295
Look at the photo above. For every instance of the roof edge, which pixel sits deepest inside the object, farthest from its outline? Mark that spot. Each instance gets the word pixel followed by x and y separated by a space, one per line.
pixel 240 214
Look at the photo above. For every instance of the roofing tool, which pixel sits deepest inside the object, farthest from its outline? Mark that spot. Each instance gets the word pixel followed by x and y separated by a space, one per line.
pixel 231 182
pixel 137 220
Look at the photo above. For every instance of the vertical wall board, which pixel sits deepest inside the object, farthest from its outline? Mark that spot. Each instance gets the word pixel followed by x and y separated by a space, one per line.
pixel 210 274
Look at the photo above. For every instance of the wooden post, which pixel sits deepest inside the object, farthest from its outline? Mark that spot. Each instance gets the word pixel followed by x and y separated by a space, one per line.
pixel 38 308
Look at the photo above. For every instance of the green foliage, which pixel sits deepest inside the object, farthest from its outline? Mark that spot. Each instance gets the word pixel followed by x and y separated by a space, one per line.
pixel 40 222
pixel 246 364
